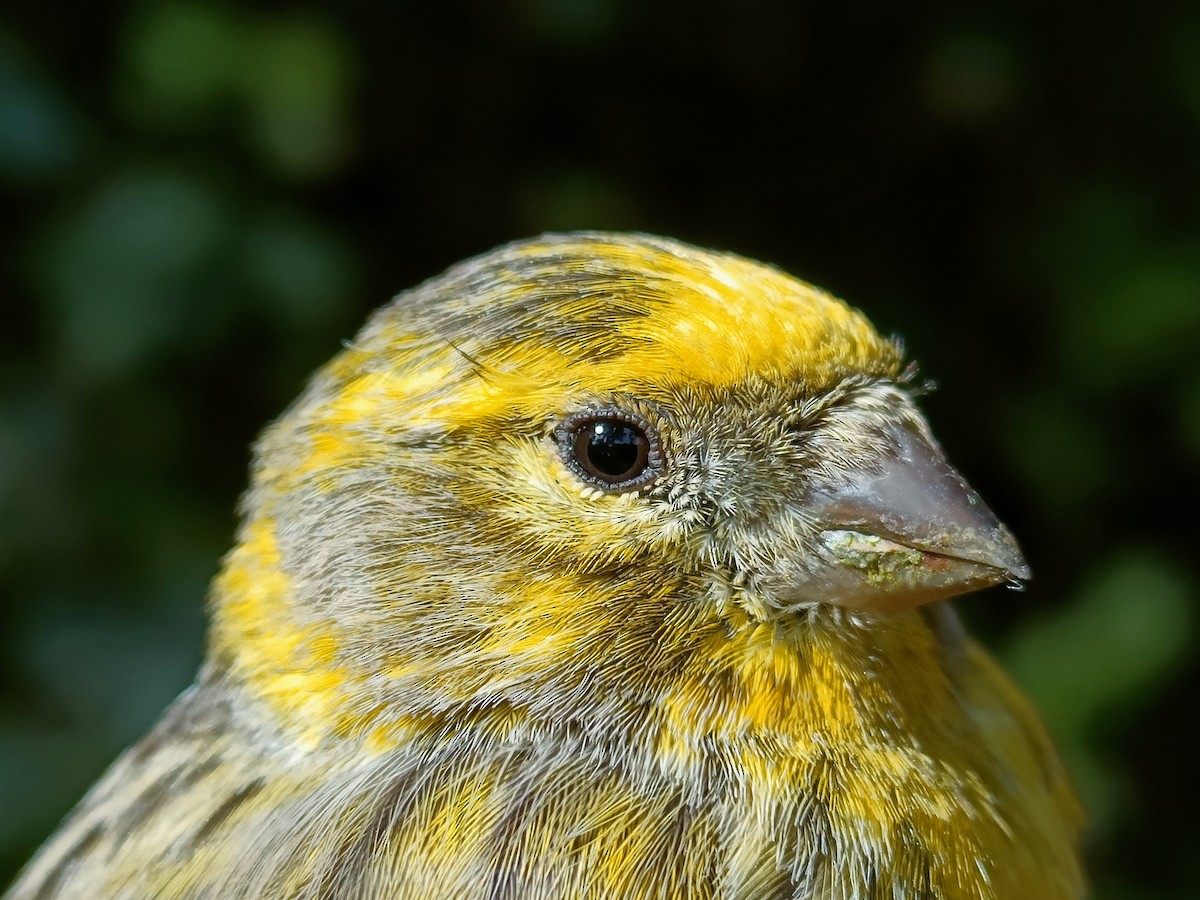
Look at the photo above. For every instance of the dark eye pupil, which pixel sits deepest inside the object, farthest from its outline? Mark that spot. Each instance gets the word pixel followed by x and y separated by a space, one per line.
pixel 611 450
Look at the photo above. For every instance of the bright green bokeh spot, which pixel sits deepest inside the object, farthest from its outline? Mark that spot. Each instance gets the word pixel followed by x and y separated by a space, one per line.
pixel 283 80
pixel 182 58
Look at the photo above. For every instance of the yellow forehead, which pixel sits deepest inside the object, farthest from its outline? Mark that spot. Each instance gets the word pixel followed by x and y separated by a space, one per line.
pixel 606 313
pixel 534 330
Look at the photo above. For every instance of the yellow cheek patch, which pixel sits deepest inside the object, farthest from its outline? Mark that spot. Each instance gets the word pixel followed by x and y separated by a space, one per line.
pixel 291 668
pixel 541 616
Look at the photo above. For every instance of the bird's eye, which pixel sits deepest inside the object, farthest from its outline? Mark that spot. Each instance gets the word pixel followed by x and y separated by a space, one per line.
pixel 610 450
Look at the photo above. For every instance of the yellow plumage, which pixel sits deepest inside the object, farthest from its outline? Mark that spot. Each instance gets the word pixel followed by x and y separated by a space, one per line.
pixel 600 566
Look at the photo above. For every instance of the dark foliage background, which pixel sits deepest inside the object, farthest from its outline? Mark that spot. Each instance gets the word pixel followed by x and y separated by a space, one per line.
pixel 201 199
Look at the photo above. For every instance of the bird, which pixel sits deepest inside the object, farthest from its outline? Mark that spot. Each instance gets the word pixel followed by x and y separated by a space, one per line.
pixel 598 566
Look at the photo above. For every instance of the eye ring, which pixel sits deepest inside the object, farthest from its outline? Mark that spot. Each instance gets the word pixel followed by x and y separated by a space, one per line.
pixel 610 449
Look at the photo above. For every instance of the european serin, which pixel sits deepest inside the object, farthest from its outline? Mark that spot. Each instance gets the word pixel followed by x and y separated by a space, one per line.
pixel 600 566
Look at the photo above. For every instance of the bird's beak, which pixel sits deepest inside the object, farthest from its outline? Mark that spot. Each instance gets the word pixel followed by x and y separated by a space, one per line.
pixel 907 532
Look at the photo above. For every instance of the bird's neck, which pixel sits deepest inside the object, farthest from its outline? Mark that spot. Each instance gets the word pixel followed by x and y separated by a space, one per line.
pixel 684 673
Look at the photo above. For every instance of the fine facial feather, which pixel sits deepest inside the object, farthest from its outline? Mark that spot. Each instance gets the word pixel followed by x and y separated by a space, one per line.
pixel 443 665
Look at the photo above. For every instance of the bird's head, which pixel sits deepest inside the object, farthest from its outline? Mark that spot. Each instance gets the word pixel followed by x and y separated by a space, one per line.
pixel 585 452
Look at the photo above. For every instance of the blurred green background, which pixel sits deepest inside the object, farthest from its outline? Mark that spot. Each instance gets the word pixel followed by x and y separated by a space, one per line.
pixel 201 199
